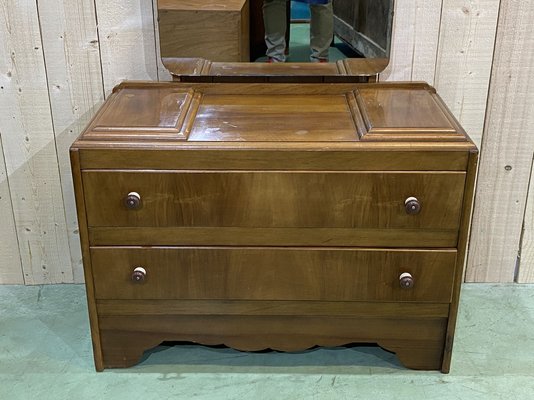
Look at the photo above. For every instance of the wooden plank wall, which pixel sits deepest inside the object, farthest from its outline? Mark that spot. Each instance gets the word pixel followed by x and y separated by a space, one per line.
pixel 29 147
pixel 508 148
pixel 11 267
pixel 72 60
pixel 59 59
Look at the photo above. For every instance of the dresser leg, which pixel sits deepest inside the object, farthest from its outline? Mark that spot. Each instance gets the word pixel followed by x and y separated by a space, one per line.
pixel 125 349
pixel 417 355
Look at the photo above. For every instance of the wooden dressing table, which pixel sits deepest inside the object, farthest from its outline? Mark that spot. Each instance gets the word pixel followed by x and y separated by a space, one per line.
pixel 274 215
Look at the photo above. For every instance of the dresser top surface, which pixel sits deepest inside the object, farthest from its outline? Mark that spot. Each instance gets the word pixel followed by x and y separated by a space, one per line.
pixel 184 114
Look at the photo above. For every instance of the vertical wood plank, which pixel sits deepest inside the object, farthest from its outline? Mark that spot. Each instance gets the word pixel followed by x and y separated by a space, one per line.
pixel 464 60
pixel 403 42
pixel 30 148
pixel 127 42
pixel 508 146
pixel 10 266
pixel 416 29
pixel 72 58
pixel 427 29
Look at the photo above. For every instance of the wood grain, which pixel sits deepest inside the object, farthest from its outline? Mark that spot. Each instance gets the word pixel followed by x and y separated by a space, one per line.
pixel 239 307
pixel 200 5
pixel 313 274
pixel 74 76
pixel 151 114
pixel 207 29
pixel 343 71
pixel 419 342
pixel 464 59
pixel 505 166
pixel 203 236
pixel 412 115
pixel 426 36
pixel 127 41
pixel 290 241
pixel 249 113
pixel 273 118
pixel 10 263
pixel 461 260
pixel 87 269
pixel 416 28
pixel 274 199
pixel 30 148
pixel 320 159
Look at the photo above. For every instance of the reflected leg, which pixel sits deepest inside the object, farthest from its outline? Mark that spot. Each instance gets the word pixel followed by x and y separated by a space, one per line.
pixel 274 17
pixel 321 30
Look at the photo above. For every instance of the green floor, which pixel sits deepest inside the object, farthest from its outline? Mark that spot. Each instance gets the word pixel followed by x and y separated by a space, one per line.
pixel 45 353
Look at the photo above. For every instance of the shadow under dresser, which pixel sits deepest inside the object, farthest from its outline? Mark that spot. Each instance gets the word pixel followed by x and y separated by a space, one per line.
pixel 279 216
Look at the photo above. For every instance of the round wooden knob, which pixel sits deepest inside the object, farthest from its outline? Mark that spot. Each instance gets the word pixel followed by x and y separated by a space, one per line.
pixel 412 205
pixel 406 281
pixel 133 201
pixel 139 275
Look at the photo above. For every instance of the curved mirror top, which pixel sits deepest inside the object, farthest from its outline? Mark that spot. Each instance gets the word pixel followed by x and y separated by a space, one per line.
pixel 275 37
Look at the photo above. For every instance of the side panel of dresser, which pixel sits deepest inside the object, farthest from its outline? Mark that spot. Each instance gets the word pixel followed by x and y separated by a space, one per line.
pixel 84 238
pixel 463 244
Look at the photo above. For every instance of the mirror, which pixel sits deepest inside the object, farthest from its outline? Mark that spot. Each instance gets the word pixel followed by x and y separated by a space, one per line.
pixel 218 39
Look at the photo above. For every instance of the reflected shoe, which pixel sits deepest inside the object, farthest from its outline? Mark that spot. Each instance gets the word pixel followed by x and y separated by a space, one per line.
pixel 272 60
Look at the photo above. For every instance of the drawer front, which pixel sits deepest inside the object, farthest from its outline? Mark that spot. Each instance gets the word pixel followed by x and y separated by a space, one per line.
pixel 365 200
pixel 272 274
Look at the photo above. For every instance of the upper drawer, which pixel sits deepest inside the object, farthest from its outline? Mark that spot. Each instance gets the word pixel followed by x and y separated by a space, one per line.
pixel 261 199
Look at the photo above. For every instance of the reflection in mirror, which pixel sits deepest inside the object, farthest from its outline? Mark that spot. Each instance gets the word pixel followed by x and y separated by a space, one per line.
pixel 344 28
pixel 365 25
pixel 255 30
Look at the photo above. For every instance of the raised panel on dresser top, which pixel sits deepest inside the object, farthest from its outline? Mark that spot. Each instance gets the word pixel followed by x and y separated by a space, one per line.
pixel 202 204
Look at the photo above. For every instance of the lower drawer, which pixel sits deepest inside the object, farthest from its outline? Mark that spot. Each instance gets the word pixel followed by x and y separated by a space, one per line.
pixel 223 273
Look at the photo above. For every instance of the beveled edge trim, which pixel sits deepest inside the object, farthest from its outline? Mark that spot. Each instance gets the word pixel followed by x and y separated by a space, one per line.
pixel 356 113
pixel 180 132
pixel 369 133
pixel 397 146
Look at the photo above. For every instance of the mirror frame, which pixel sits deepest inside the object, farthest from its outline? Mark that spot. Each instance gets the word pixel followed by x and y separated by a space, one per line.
pixel 347 70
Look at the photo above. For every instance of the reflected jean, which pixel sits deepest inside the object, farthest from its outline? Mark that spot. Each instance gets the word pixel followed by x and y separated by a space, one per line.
pixel 321 29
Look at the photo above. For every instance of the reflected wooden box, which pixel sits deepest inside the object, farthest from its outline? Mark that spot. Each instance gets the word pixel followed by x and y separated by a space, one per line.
pixel 279 216
pixel 215 30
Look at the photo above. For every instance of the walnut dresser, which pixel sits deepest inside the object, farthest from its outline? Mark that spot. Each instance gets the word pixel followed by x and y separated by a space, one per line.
pixel 276 216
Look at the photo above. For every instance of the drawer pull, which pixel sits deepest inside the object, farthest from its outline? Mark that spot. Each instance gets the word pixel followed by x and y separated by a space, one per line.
pixel 413 207
pixel 406 281
pixel 139 275
pixel 133 201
